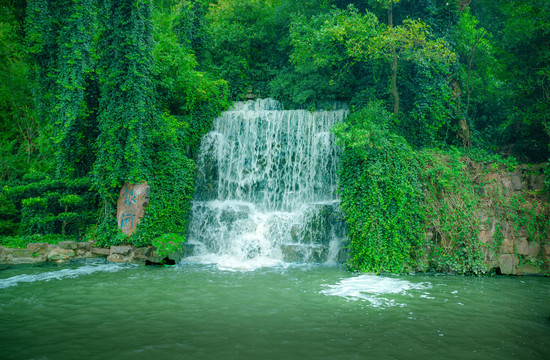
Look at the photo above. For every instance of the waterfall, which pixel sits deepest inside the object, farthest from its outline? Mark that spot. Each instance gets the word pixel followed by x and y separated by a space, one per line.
pixel 266 188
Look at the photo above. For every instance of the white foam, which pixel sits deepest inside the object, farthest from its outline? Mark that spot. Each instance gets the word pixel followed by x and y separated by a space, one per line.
pixel 234 263
pixel 371 288
pixel 60 274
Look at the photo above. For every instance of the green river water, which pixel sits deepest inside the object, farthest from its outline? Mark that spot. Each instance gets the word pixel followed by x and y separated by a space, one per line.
pixel 99 310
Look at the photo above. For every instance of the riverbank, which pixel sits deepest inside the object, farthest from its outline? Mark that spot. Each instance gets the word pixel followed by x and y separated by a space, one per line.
pixel 65 251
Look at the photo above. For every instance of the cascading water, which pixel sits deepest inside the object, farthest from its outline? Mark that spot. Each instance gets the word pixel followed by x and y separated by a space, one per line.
pixel 266 188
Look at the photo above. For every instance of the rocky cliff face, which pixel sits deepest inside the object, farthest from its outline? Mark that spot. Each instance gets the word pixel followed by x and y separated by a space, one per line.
pixel 515 221
pixel 513 217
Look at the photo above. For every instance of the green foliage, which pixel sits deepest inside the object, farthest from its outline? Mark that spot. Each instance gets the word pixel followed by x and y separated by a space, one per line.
pixel 422 210
pixel 21 242
pixel 380 190
pixel 111 91
pixel 241 38
pixel 512 104
pixel 13 242
pixel 60 38
pixel 412 41
pixel 248 43
pixel 170 202
pixel 117 98
pixel 70 200
pixel 432 118
pixel 19 127
pixel 167 244
pixel 525 214
pixel 343 54
pixel 188 98
pixel 9 215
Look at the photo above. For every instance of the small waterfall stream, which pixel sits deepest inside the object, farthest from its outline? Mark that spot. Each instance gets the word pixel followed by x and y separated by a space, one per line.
pixel 266 188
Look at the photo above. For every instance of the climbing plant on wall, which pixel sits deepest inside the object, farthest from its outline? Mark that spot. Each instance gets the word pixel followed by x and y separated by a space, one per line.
pixel 126 111
pixel 381 193
pixel 61 35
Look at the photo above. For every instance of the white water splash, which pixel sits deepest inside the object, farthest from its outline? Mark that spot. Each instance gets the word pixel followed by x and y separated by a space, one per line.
pixel 60 274
pixel 374 289
pixel 266 188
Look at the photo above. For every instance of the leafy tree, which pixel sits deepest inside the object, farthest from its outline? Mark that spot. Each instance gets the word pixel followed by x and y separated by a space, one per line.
pixel 18 127
pixel 323 68
pixel 520 35
pixel 482 91
pixel 410 41
pixel 154 108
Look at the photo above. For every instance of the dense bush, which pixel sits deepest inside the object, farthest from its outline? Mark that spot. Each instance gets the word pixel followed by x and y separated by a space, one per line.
pixel 48 207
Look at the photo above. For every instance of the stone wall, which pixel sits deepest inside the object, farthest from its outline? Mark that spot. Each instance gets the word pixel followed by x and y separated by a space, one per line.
pixel 71 250
pixel 514 220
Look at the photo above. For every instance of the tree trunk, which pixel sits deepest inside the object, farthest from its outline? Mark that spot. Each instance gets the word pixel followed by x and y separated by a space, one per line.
pixel 64 225
pixel 394 92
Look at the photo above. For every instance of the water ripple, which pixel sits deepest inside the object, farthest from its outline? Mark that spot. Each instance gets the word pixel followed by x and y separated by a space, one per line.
pixel 60 274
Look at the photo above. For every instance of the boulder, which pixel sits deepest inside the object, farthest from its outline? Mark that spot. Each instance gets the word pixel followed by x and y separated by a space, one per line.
pixel 507 247
pixel 141 255
pixel 131 204
pixel 100 251
pixel 121 250
pixel 304 253
pixel 121 254
pixel 546 256
pixel 506 182
pixel 485 236
pixel 508 264
pixel 536 182
pixel 21 252
pixel 28 260
pixel 529 269
pixel 38 247
pixel 87 245
pixel 523 247
pixel 534 250
pixel 21 256
pixel 489 257
pixel 60 255
pixel 343 255
pixel 67 245
pixel 517 184
pixel 4 252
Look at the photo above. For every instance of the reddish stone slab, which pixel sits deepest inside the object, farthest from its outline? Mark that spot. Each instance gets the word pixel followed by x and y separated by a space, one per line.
pixel 131 205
